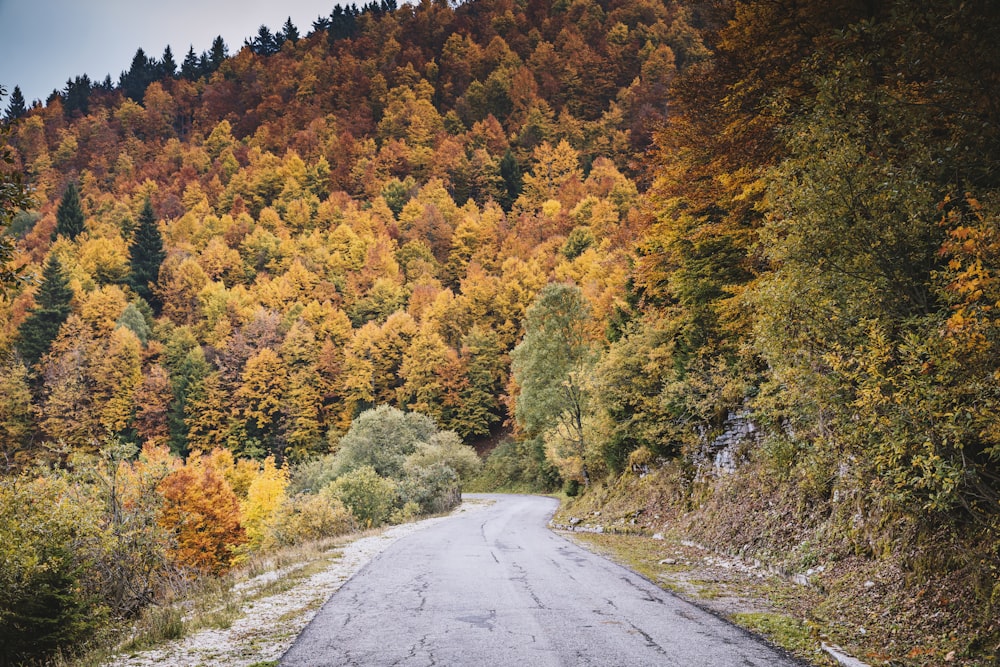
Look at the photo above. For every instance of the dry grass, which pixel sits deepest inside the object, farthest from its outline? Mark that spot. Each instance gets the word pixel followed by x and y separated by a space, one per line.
pixel 896 597
pixel 214 603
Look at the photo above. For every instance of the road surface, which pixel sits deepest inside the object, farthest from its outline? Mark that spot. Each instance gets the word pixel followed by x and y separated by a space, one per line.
pixel 495 586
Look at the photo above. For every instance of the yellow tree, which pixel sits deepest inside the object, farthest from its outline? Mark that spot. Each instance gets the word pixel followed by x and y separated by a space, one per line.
pixel 555 176
pixel 102 308
pixel 423 359
pixel 357 379
pixel 264 496
pixel 67 410
pixel 117 375
pixel 181 282
pixel 393 340
pixel 260 397
pixel 208 414
pixel 152 402
pixel 15 412
pixel 301 352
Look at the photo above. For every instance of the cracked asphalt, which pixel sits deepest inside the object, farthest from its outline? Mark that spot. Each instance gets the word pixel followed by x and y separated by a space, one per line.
pixel 495 586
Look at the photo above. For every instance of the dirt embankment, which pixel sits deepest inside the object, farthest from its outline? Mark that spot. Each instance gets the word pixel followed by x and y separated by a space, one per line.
pixel 756 554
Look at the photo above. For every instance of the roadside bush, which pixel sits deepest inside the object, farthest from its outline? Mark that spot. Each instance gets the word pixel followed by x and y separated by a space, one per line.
pixel 306 517
pixel 446 448
pixel 131 554
pixel 382 438
pixel 203 513
pixel 313 475
pixel 370 498
pixel 517 466
pixel 46 600
pixel 408 512
pixel 264 496
pixel 434 488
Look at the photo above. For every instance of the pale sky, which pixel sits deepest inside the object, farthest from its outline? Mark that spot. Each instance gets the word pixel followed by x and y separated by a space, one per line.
pixel 45 42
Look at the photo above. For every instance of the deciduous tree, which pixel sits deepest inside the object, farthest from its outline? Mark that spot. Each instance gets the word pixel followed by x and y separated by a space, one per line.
pixel 551 365
pixel 203 514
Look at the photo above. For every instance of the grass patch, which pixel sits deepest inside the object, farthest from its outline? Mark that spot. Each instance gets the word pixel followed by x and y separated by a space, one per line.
pixel 789 633
pixel 292 578
pixel 157 625
pixel 216 603
pixel 747 600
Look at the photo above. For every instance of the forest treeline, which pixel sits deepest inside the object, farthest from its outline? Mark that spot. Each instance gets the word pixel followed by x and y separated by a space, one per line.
pixel 590 230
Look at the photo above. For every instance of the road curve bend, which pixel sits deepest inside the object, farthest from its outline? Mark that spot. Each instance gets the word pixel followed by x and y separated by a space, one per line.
pixel 496 587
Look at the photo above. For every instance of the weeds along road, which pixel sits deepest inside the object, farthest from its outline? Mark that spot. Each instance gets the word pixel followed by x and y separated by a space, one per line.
pixel 496 587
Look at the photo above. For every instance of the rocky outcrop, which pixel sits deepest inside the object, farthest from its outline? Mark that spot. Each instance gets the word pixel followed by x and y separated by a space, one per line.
pixel 722 454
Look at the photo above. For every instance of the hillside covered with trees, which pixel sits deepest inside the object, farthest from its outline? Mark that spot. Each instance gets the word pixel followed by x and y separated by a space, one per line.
pixel 292 284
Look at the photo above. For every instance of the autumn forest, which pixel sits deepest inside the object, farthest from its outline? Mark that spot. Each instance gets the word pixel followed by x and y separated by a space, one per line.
pixel 329 277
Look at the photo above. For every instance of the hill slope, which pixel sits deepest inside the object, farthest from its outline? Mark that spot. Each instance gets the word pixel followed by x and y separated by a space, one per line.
pixel 611 229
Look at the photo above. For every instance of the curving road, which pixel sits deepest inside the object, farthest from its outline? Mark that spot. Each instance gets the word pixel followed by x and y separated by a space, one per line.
pixel 494 586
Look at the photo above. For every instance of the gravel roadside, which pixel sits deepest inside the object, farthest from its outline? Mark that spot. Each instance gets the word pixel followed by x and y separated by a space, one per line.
pixel 268 624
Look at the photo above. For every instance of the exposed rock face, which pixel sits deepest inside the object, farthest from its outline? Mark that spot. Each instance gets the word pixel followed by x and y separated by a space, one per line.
pixel 722 454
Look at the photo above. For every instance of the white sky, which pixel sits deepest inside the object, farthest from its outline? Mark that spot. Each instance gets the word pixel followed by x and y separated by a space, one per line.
pixel 45 42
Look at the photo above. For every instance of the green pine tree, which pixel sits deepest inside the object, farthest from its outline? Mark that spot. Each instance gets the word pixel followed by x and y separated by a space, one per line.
pixel 52 307
pixel 186 384
pixel 513 180
pixel 168 66
pixel 146 255
pixel 17 107
pixel 69 215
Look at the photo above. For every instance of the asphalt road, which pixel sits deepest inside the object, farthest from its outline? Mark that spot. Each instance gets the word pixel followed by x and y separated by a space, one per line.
pixel 495 586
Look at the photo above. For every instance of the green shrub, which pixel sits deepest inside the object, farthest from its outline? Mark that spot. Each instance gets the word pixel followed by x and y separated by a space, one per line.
pixel 408 512
pixel 370 498
pixel 382 438
pixel 312 475
pixel 446 448
pixel 517 466
pixel 434 488
pixel 46 600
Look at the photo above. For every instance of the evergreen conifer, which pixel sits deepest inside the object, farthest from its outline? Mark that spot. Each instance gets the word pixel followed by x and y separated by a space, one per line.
pixel 52 307
pixel 146 254
pixel 69 215
pixel 16 107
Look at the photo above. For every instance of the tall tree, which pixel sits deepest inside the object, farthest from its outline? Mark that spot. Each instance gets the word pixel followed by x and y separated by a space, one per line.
pixel 184 379
pixel 52 307
pixel 513 180
pixel 168 66
pixel 16 108
pixel 321 24
pixel 261 396
pixel 190 68
pixel 69 215
pixel 76 95
pixel 264 43
pixel 218 53
pixel 289 32
pixel 146 255
pixel 13 196
pixel 152 401
pixel 550 365
pixel 140 74
pixel 15 412
pixel 68 412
